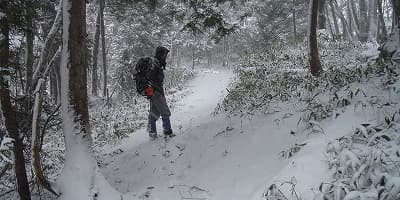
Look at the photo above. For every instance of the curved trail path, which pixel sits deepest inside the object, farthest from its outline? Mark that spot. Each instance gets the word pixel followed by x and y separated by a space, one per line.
pixel 212 157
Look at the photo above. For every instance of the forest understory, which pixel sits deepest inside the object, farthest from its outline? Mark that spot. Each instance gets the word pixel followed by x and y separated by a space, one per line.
pixel 270 100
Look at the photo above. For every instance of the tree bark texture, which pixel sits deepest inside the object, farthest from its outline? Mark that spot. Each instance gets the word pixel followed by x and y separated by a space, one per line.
pixel 329 22
pixel 335 21
pixel 346 33
pixel 7 109
pixel 363 36
pixel 382 32
pixel 351 26
pixel 95 57
pixel 45 49
pixel 53 84
pixel 396 16
pixel 294 22
pixel 78 65
pixel 103 48
pixel 354 12
pixel 352 19
pixel 29 44
pixel 36 136
pixel 372 19
pixel 193 56
pixel 315 65
pixel 321 15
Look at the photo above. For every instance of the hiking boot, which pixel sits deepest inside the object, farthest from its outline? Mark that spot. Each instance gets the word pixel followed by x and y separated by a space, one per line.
pixel 168 133
pixel 153 135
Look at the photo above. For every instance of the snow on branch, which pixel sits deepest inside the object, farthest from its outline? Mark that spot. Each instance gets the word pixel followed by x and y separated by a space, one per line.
pixel 44 51
pixel 36 141
pixel 366 164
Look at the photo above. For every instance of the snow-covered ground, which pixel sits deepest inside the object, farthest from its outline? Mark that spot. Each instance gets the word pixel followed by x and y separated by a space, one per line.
pixel 224 158
pixel 212 157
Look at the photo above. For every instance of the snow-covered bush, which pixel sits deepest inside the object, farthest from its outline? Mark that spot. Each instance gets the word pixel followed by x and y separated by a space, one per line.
pixel 282 75
pixel 366 164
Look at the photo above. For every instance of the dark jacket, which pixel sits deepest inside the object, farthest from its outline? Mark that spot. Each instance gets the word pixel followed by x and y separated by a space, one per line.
pixel 157 72
pixel 156 76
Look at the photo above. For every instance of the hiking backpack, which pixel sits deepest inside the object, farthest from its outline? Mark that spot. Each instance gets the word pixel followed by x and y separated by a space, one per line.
pixel 143 73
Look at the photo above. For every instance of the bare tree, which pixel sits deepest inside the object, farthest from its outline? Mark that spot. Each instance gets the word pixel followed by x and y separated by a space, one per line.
pixel 315 65
pixel 294 22
pixel 346 31
pixel 372 19
pixel 335 21
pixel 29 43
pixel 95 56
pixel 80 167
pixel 103 47
pixel 396 18
pixel 382 32
pixel 321 15
pixel 363 28
pixel 354 13
pixel 74 102
pixel 353 19
pixel 7 109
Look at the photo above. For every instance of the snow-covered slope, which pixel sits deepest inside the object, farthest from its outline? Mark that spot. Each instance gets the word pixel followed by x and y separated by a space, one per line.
pixel 225 158
pixel 212 157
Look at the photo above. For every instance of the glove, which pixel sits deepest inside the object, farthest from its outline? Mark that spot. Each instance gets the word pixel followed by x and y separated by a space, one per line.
pixel 149 91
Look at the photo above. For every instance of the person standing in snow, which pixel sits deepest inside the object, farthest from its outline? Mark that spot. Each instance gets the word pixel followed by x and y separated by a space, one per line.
pixel 155 93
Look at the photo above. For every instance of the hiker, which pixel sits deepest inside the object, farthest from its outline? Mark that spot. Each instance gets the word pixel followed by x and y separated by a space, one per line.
pixel 154 91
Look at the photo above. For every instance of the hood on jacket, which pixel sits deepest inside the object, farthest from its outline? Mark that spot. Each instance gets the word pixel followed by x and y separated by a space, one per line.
pixel 161 55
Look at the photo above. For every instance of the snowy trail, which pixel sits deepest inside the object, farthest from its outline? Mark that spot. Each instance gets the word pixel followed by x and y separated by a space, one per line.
pixel 210 158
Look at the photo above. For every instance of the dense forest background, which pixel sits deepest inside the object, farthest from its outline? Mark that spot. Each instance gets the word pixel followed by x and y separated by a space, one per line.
pixel 106 38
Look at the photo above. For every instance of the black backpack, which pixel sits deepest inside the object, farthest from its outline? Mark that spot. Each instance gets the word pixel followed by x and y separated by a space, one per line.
pixel 143 71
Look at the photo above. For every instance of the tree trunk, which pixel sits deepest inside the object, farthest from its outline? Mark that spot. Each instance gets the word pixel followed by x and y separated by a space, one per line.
pixel 178 58
pixel 7 109
pixel 392 45
pixel 45 49
pixel 74 104
pixel 353 18
pixel 396 18
pixel 315 65
pixel 335 21
pixel 329 22
pixel 321 15
pixel 346 33
pixel 209 58
pixel 36 134
pixel 103 47
pixel 354 13
pixel 172 50
pixel 363 35
pixel 95 56
pixel 78 66
pixel 193 56
pixel 29 44
pixel 352 28
pixel 294 22
pixel 382 32
pixel 80 168
pixel 372 20
pixel 53 85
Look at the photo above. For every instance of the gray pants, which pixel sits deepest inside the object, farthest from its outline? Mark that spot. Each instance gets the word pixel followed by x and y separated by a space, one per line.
pixel 158 107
